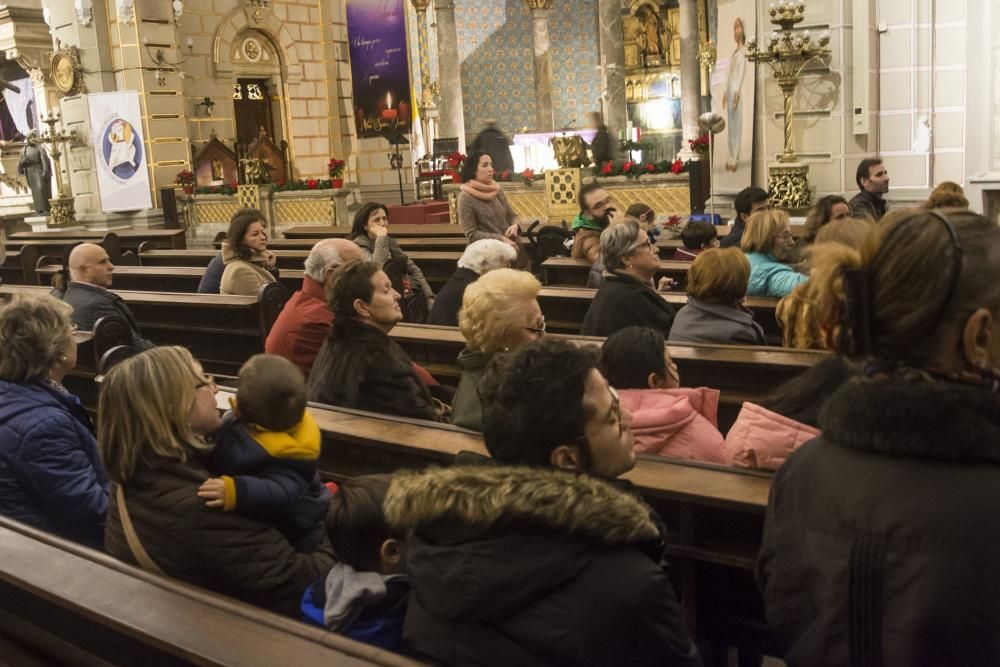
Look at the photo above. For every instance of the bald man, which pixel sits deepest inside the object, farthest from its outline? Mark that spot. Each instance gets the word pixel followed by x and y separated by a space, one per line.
pixel 304 322
pixel 91 273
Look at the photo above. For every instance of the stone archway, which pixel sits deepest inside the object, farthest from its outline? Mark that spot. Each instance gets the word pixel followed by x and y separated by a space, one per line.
pixel 257 19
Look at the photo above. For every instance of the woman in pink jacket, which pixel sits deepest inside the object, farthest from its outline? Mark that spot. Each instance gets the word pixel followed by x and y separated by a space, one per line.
pixel 765 434
pixel 666 419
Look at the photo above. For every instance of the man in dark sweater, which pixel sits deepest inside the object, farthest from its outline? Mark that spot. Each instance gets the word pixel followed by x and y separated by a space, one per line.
pixel 748 201
pixel 494 142
pixel 873 181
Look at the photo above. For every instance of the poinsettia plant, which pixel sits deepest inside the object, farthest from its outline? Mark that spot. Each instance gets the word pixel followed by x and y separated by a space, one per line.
pixel 700 145
pixel 455 160
pixel 185 177
pixel 336 167
pixel 635 169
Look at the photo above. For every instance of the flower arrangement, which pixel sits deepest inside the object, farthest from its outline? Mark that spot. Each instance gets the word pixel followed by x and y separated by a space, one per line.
pixel 528 176
pixel 455 160
pixel 634 169
pixel 185 177
pixel 336 168
pixel 305 184
pixel 700 145
pixel 216 190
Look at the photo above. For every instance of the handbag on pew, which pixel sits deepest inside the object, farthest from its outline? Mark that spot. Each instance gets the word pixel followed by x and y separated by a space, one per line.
pixel 134 544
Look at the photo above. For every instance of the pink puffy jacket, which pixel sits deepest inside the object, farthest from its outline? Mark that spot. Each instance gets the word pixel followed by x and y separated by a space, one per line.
pixel 764 439
pixel 676 422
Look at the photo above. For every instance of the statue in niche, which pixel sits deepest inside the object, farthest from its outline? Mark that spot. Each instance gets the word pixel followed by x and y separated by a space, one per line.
pixel 37 169
pixel 216 169
pixel 651 44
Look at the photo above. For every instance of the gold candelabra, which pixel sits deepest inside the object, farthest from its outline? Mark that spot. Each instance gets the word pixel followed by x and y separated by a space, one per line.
pixel 61 206
pixel 787 52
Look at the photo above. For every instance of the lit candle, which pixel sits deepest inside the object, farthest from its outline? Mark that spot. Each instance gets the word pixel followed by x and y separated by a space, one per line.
pixel 389 114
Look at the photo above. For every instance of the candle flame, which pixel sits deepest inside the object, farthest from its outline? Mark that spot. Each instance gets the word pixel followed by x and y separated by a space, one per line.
pixel 388 100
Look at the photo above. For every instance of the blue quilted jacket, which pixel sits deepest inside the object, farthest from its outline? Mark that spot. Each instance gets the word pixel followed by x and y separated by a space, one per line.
pixel 769 277
pixel 51 476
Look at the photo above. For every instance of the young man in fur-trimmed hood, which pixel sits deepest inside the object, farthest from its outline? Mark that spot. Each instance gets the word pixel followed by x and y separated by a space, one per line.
pixel 538 560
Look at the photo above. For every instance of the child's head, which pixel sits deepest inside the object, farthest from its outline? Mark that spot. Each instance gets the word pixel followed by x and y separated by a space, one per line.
pixel 357 527
pixel 637 358
pixel 698 235
pixel 272 393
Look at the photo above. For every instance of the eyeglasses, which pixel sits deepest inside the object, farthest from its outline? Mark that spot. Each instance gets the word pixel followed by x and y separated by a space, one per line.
pixel 639 245
pixel 785 236
pixel 616 409
pixel 205 380
pixel 539 330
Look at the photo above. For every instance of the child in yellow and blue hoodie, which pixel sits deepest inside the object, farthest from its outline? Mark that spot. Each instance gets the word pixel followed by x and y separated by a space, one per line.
pixel 266 454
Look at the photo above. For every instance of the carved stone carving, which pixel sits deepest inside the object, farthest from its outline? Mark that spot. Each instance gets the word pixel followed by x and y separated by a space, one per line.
pixel 789 186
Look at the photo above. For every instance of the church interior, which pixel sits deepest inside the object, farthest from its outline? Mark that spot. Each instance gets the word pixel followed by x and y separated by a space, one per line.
pixel 202 177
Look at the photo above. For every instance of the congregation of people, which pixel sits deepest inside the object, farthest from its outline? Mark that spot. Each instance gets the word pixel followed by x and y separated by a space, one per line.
pixel 541 553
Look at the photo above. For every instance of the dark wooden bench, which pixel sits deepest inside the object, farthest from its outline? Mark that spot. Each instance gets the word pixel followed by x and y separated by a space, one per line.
pixel 570 271
pixel 565 308
pixel 57 247
pixel 64 604
pixel 222 331
pixel 400 231
pixel 740 372
pixel 130 239
pixel 18 267
pixel 714 514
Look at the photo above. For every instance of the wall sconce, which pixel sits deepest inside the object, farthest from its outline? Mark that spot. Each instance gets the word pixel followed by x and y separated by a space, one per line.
pixel 178 8
pixel 160 59
pixel 208 105
pixel 126 11
pixel 84 11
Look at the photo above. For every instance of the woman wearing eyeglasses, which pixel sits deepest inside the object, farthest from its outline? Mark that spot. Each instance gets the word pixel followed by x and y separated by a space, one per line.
pixel 881 543
pixel 50 474
pixel 155 412
pixel 769 245
pixel 500 313
pixel 626 296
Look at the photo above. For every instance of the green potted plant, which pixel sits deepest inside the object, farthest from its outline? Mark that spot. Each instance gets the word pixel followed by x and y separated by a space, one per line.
pixel 336 169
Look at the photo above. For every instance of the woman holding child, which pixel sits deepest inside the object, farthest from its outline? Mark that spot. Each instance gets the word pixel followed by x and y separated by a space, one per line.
pixel 155 410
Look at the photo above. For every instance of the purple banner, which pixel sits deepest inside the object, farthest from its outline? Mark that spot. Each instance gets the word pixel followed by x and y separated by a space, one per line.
pixel 377 33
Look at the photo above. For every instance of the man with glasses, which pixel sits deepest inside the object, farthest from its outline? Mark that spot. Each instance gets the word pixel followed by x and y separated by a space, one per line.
pixel 540 559
pixel 597 211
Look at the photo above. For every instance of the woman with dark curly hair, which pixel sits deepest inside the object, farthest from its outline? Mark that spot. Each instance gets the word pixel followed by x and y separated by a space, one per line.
pixel 249 266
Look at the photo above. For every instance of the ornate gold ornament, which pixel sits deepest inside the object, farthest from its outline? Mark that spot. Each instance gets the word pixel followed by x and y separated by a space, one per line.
pixel 62 211
pixel 570 151
pixel 788 186
pixel 67 71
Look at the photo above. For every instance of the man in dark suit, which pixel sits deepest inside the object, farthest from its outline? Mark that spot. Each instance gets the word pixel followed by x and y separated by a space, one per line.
pixel 91 272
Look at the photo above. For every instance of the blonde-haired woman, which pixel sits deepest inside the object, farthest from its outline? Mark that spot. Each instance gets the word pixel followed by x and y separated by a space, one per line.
pixel 769 244
pixel 50 474
pixel 155 411
pixel 500 312
pixel 717 284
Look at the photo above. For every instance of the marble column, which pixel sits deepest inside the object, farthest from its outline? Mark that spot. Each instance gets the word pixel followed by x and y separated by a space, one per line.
pixel 690 74
pixel 452 122
pixel 609 20
pixel 543 63
pixel 427 107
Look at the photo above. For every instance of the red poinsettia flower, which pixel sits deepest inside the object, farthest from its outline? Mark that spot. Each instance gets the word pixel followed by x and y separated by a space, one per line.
pixel 627 167
pixel 650 167
pixel 312 183
pixel 607 168
pixel 504 175
pixel 677 167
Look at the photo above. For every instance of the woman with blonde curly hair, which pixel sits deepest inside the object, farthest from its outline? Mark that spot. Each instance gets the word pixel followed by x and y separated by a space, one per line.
pixel 500 312
pixel 154 414
pixel 50 474
pixel 769 246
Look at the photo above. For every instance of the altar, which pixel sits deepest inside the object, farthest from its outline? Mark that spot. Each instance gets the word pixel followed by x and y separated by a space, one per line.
pixel 533 150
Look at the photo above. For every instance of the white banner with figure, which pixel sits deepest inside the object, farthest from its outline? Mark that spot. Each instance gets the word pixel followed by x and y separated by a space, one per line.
pixel 119 151
pixel 732 96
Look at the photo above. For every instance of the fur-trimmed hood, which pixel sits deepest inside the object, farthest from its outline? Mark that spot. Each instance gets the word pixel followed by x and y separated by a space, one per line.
pixel 488 496
pixel 490 540
pixel 938 420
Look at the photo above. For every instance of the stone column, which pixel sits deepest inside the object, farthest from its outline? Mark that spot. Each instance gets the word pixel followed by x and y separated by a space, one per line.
pixel 427 107
pixel 609 19
pixel 452 109
pixel 690 74
pixel 543 63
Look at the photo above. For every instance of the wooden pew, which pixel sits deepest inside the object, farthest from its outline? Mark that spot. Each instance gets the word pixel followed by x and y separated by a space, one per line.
pixel 130 239
pixel 714 514
pixel 18 267
pixel 401 231
pixel 569 271
pixel 740 372
pixel 64 604
pixel 565 308
pixel 56 247
pixel 222 331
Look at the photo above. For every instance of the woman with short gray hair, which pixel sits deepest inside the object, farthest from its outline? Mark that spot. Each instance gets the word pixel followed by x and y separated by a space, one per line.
pixel 626 297
pixel 51 476
pixel 479 258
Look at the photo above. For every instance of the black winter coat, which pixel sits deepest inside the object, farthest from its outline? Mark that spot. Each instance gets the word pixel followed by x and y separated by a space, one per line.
pixel 360 367
pixel 622 301
pixel 90 303
pixel 881 544
pixel 528 566
pixel 444 312
pixel 221 551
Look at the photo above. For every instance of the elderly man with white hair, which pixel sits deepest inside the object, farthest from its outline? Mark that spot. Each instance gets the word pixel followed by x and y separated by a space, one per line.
pixel 478 259
pixel 304 322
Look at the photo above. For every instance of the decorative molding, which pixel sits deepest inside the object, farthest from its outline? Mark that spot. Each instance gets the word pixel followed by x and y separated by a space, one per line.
pixel 538 4
pixel 67 71
pixel 238 20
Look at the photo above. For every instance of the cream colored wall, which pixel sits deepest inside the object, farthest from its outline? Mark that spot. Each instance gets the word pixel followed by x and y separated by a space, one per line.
pixel 918 72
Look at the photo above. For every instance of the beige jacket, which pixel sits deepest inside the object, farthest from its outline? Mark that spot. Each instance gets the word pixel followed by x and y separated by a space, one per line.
pixel 243 277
